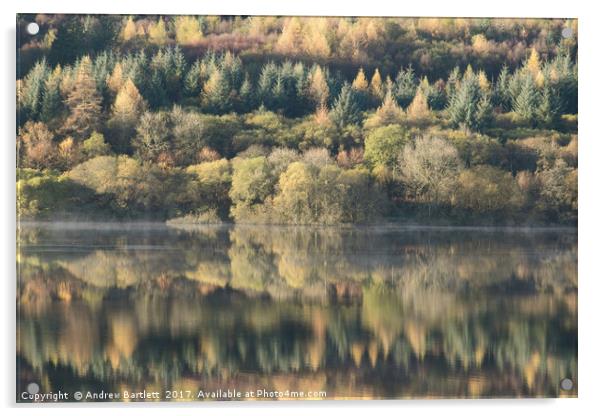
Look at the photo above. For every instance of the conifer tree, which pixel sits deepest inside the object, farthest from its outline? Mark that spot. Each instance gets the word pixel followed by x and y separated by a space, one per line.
pixel 51 99
pixel 469 107
pixel 84 103
pixel 360 83
pixel 318 87
pixel 116 79
pixel 32 90
pixel 526 102
pixel 418 109
pixel 129 104
pixel 129 31
pixel 376 85
pixel 188 30
pixel 157 33
pixel 346 110
pixel 405 86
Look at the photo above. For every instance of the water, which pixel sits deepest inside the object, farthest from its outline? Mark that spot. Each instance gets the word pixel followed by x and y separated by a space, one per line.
pixel 373 312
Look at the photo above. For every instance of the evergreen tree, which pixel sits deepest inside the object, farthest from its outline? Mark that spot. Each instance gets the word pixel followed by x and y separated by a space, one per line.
pixel 346 109
pixel 526 102
pixel 52 102
pixel 405 86
pixel 502 96
pixel 469 107
pixel 32 91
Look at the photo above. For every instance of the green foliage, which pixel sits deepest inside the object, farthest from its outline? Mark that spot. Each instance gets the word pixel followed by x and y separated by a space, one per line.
pixel 97 85
pixel 309 194
pixel 346 108
pixel 252 183
pixel 210 188
pixel 469 106
pixel 384 145
pixel 95 146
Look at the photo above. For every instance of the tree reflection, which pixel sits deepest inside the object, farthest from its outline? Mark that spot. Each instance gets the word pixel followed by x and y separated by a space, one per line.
pixel 358 312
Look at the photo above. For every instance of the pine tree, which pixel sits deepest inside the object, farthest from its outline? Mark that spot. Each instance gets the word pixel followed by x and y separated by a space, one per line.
pixel 216 93
pixel 405 86
pixel 548 111
pixel 469 107
pixel 192 81
pixel 502 90
pixel 32 91
pixel 526 102
pixel 51 99
pixel 346 110
pixel 84 103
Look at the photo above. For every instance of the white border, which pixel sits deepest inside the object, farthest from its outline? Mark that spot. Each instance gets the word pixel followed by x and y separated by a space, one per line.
pixel 590 124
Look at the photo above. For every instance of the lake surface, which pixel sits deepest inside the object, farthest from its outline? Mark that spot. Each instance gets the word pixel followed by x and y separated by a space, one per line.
pixel 371 312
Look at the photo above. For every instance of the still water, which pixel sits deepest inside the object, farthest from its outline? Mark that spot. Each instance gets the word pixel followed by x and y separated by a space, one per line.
pixel 371 312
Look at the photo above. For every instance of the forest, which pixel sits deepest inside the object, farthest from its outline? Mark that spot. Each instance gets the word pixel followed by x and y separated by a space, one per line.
pixel 297 120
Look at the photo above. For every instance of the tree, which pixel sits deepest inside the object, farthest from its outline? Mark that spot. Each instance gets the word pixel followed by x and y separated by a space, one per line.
pixel 95 146
pixel 389 112
pixel 526 102
pixel 360 83
pixel 376 85
pixel 84 103
pixel 157 33
pixel 405 86
pixel 32 90
pixel 36 145
pixel 469 106
pixel 346 110
pixel 384 145
pixel 129 31
pixel 211 187
pixel 251 181
pixel 153 136
pixel 129 104
pixel 52 103
pixel 116 79
pixel 188 30
pixel 486 189
pixel 318 87
pixel 428 168
pixel 418 110
pixel 127 109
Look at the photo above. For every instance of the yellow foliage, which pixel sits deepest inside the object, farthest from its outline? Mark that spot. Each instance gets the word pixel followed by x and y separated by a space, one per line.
pixel 360 82
pixel 533 65
pixel 418 108
pixel 115 80
pixel 376 84
pixel 129 31
pixel 157 33
pixel 188 30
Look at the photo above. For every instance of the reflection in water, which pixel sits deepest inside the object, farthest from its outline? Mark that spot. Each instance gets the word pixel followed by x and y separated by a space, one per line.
pixel 355 312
